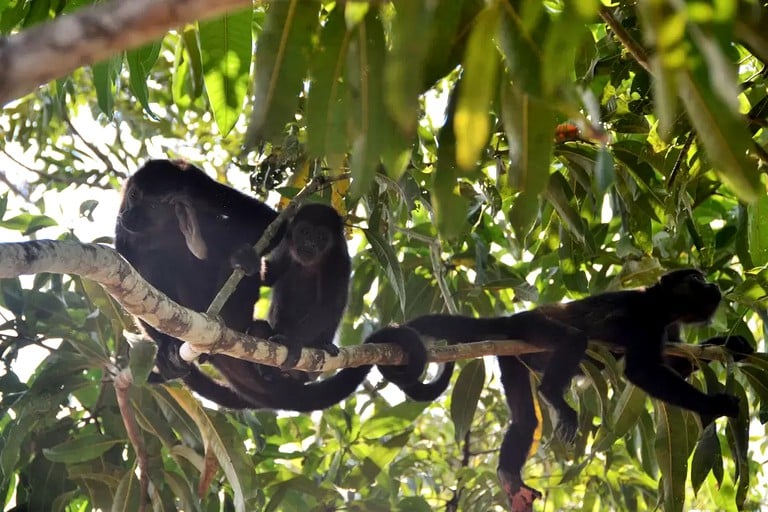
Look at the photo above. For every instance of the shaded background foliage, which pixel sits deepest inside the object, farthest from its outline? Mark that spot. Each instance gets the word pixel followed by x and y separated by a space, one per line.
pixel 503 154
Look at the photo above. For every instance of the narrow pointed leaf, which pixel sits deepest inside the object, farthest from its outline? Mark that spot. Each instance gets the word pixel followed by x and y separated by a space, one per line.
pixel 326 103
pixel 472 123
pixel 388 259
pixel 672 454
pixel 724 134
pixel 282 63
pixel 529 124
pixel 369 120
pixel 140 62
pixel 465 395
pixel 404 67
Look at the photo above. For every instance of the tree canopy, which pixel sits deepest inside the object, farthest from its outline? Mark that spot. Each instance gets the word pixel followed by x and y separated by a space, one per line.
pixel 489 156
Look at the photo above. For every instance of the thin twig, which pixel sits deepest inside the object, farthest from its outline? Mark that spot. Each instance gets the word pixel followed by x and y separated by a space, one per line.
pixel 16 190
pixel 310 188
pixel 92 147
pixel 632 46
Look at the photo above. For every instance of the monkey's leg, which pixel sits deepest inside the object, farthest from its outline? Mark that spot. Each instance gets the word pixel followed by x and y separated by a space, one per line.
pixel 519 436
pixel 647 371
pixel 568 346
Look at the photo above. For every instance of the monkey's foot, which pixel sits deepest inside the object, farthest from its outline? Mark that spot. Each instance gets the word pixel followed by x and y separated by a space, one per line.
pixel 294 351
pixel 332 349
pixel 519 495
pixel 522 498
pixel 567 426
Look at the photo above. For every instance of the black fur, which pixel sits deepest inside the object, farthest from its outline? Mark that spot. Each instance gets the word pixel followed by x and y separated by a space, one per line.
pixel 309 274
pixel 183 231
pixel 638 321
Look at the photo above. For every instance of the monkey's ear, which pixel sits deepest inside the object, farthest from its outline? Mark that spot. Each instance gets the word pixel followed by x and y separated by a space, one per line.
pixel 190 228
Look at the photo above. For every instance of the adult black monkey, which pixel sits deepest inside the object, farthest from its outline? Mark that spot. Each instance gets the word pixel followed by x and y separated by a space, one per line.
pixel 639 321
pixel 181 230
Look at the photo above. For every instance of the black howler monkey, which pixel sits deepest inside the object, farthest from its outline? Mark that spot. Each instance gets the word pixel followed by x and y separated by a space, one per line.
pixel 182 230
pixel 309 275
pixel 179 228
pixel 639 321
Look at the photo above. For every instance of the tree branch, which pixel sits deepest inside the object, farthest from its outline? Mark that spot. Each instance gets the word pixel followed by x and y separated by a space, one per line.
pixel 49 50
pixel 206 334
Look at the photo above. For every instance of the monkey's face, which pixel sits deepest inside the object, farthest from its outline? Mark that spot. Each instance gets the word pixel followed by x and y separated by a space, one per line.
pixel 691 297
pixel 309 243
pixel 143 213
pixel 167 214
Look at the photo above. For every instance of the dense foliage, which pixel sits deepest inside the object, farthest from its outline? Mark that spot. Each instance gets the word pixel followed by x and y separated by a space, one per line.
pixel 503 154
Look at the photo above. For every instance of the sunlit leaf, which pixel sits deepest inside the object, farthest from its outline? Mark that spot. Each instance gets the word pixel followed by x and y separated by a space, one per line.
pixel 465 395
pixel 471 123
pixel 225 47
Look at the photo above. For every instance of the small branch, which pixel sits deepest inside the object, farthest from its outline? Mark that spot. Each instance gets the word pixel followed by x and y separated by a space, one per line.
pixel 632 46
pixel 92 147
pixel 12 187
pixel 313 186
pixel 39 54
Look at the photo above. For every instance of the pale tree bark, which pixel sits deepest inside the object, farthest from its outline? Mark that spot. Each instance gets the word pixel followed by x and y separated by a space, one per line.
pixel 105 266
pixel 50 50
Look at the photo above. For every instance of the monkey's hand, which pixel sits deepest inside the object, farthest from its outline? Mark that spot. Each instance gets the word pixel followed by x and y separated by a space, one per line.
pixel 737 345
pixel 723 404
pixel 246 259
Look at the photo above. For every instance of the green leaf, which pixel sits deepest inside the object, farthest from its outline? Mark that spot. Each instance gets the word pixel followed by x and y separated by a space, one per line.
pixel 529 124
pixel 385 255
pixel 449 206
pixel 706 455
pixel 629 405
pixel 449 37
pixel 472 123
pixel 282 62
pixel 128 494
pixel 403 71
pixel 563 38
pixel 369 120
pixel 105 75
pixel 225 46
pixel 28 223
pixel 522 55
pixel 140 62
pixel 80 449
pixel 757 230
pixel 12 295
pixel 465 396
pixel 142 359
pixel 724 134
pixel 557 193
pixel 326 103
pixel 218 436
pixel 672 454
pixel 194 60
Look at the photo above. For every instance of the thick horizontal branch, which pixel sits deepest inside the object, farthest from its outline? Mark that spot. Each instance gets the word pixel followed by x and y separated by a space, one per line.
pixel 50 50
pixel 105 266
